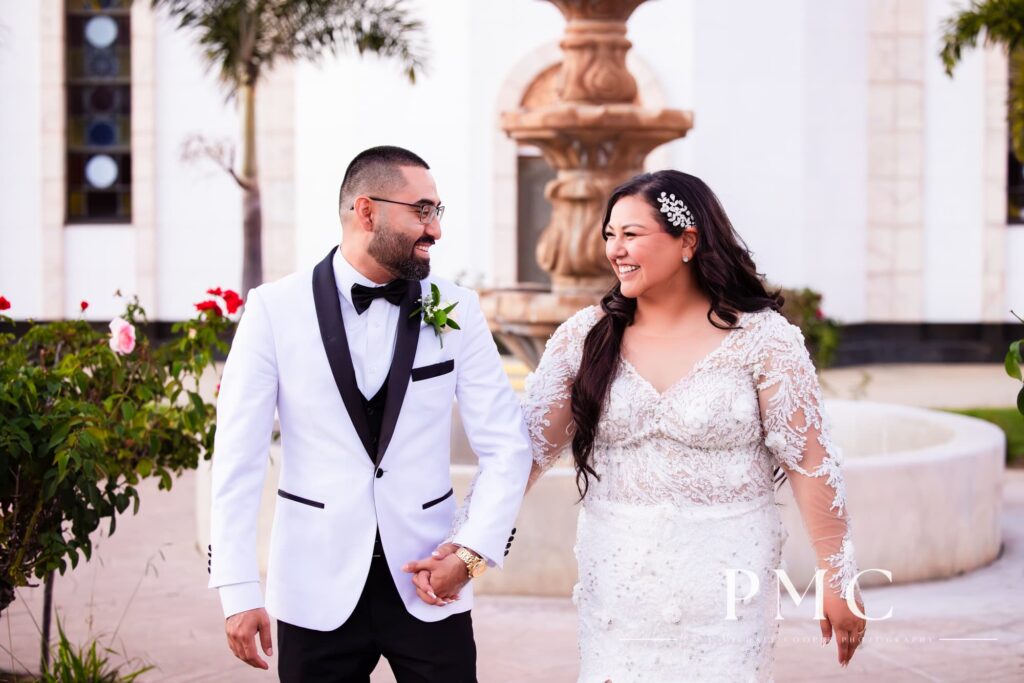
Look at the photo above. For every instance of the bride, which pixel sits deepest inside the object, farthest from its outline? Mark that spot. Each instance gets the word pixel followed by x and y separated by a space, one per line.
pixel 684 396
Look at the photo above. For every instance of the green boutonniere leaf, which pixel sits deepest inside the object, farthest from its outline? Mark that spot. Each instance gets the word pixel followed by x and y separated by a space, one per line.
pixel 436 315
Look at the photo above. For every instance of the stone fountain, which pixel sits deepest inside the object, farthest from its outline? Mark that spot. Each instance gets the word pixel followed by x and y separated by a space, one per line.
pixel 596 135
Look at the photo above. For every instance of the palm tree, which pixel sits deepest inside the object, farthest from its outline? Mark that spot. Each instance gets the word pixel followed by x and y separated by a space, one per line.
pixel 1002 22
pixel 242 40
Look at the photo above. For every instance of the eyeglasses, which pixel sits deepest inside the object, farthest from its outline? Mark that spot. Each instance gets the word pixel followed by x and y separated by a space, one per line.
pixel 427 212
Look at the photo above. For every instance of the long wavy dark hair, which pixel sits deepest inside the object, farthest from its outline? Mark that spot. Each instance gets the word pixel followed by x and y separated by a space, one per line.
pixel 725 272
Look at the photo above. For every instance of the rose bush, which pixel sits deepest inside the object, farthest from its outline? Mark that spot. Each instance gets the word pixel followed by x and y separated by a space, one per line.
pixel 1014 361
pixel 84 416
pixel 803 309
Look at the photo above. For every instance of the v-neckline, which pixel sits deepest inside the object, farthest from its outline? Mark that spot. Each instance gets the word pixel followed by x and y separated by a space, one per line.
pixel 696 367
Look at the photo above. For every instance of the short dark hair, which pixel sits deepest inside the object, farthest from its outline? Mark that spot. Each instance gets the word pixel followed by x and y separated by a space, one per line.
pixel 375 170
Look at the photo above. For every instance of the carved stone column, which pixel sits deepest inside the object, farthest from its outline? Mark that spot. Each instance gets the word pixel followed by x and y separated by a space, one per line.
pixel 595 135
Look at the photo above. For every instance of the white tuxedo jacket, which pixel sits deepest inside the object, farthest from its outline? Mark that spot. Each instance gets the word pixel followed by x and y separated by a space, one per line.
pixel 290 353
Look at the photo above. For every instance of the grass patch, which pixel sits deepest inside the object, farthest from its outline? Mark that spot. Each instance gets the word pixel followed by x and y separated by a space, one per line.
pixel 1012 424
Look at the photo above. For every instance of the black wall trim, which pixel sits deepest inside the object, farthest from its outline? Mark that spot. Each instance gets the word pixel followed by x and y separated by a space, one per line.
pixel 859 344
pixel 865 343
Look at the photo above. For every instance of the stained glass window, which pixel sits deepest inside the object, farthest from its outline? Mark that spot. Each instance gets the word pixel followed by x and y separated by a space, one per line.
pixel 98 76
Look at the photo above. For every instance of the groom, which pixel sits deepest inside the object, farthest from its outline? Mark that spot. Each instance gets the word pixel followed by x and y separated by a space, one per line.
pixel 363 389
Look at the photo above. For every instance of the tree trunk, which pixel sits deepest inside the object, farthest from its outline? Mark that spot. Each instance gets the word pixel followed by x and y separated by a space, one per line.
pixel 6 594
pixel 252 212
pixel 47 616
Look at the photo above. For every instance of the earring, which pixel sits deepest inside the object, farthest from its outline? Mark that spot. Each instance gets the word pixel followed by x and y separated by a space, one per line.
pixel 686 259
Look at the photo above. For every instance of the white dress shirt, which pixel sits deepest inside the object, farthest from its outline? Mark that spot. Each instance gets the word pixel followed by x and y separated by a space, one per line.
pixel 371 336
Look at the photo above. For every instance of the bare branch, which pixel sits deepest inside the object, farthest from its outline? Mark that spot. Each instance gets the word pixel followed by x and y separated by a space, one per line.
pixel 221 152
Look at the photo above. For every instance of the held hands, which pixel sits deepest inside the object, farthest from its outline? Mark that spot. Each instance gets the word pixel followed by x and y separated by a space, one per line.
pixel 242 628
pixel 848 627
pixel 439 578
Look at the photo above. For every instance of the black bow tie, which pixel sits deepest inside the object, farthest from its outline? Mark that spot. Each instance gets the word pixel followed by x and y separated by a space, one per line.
pixel 393 291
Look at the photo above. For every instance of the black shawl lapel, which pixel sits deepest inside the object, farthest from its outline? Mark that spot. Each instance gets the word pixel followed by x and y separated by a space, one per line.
pixel 401 365
pixel 332 331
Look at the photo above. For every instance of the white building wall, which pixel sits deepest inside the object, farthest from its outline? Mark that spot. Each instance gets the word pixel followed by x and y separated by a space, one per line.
pixel 832 239
pixel 672 60
pixel 21 249
pixel 98 262
pixel 748 137
pixel 954 173
pixel 504 37
pixel 347 104
pixel 1014 273
pixel 779 92
pixel 198 206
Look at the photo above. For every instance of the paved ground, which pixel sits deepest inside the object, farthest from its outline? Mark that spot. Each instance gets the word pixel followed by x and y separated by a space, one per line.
pixel 144 591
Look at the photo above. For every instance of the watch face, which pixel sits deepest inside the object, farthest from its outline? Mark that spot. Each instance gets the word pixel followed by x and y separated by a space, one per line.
pixel 478 569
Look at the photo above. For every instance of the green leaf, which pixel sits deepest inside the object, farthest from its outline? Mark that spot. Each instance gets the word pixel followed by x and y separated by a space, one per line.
pixel 454 325
pixel 1013 360
pixel 441 317
pixel 451 307
pixel 59 436
pixel 435 294
pixel 1020 401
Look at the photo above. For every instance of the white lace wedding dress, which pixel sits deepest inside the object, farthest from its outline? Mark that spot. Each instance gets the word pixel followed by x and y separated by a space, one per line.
pixel 685 493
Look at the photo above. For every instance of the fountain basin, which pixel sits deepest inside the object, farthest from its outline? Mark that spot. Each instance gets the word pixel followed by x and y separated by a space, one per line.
pixel 924 489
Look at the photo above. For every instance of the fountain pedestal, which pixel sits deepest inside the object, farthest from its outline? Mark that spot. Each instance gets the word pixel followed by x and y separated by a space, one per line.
pixel 596 136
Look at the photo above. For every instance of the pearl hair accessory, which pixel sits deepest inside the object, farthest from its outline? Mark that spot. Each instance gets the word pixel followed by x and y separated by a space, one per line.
pixel 676 211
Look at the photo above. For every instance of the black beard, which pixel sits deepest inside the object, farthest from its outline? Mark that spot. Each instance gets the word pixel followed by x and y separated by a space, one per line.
pixel 394 253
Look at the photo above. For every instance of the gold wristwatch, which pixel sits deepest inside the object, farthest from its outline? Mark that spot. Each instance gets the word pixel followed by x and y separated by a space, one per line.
pixel 475 565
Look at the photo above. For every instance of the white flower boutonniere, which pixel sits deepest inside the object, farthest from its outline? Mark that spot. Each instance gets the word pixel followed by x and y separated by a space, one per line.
pixel 436 314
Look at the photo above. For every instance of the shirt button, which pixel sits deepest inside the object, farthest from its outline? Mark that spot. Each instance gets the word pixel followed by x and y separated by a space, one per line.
pixel 380 473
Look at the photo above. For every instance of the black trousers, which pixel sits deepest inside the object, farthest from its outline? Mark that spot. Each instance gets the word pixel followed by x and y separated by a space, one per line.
pixel 418 651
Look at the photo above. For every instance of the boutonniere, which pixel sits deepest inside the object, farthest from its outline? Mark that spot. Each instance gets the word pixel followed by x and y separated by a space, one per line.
pixel 436 314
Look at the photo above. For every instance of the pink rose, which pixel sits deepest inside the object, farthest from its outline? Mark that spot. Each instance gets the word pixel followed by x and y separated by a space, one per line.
pixel 122 336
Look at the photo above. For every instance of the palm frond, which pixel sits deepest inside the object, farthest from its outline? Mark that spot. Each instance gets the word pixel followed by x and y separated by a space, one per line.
pixel 243 38
pixel 1001 22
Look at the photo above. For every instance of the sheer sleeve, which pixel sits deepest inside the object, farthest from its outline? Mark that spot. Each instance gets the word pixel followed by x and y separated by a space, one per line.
pixel 798 436
pixel 548 390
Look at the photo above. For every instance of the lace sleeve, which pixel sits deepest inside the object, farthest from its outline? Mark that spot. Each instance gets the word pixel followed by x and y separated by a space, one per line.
pixel 548 389
pixel 797 435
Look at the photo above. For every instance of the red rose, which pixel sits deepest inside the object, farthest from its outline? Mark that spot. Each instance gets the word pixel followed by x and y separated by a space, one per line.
pixel 211 306
pixel 215 291
pixel 4 304
pixel 84 305
pixel 232 301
